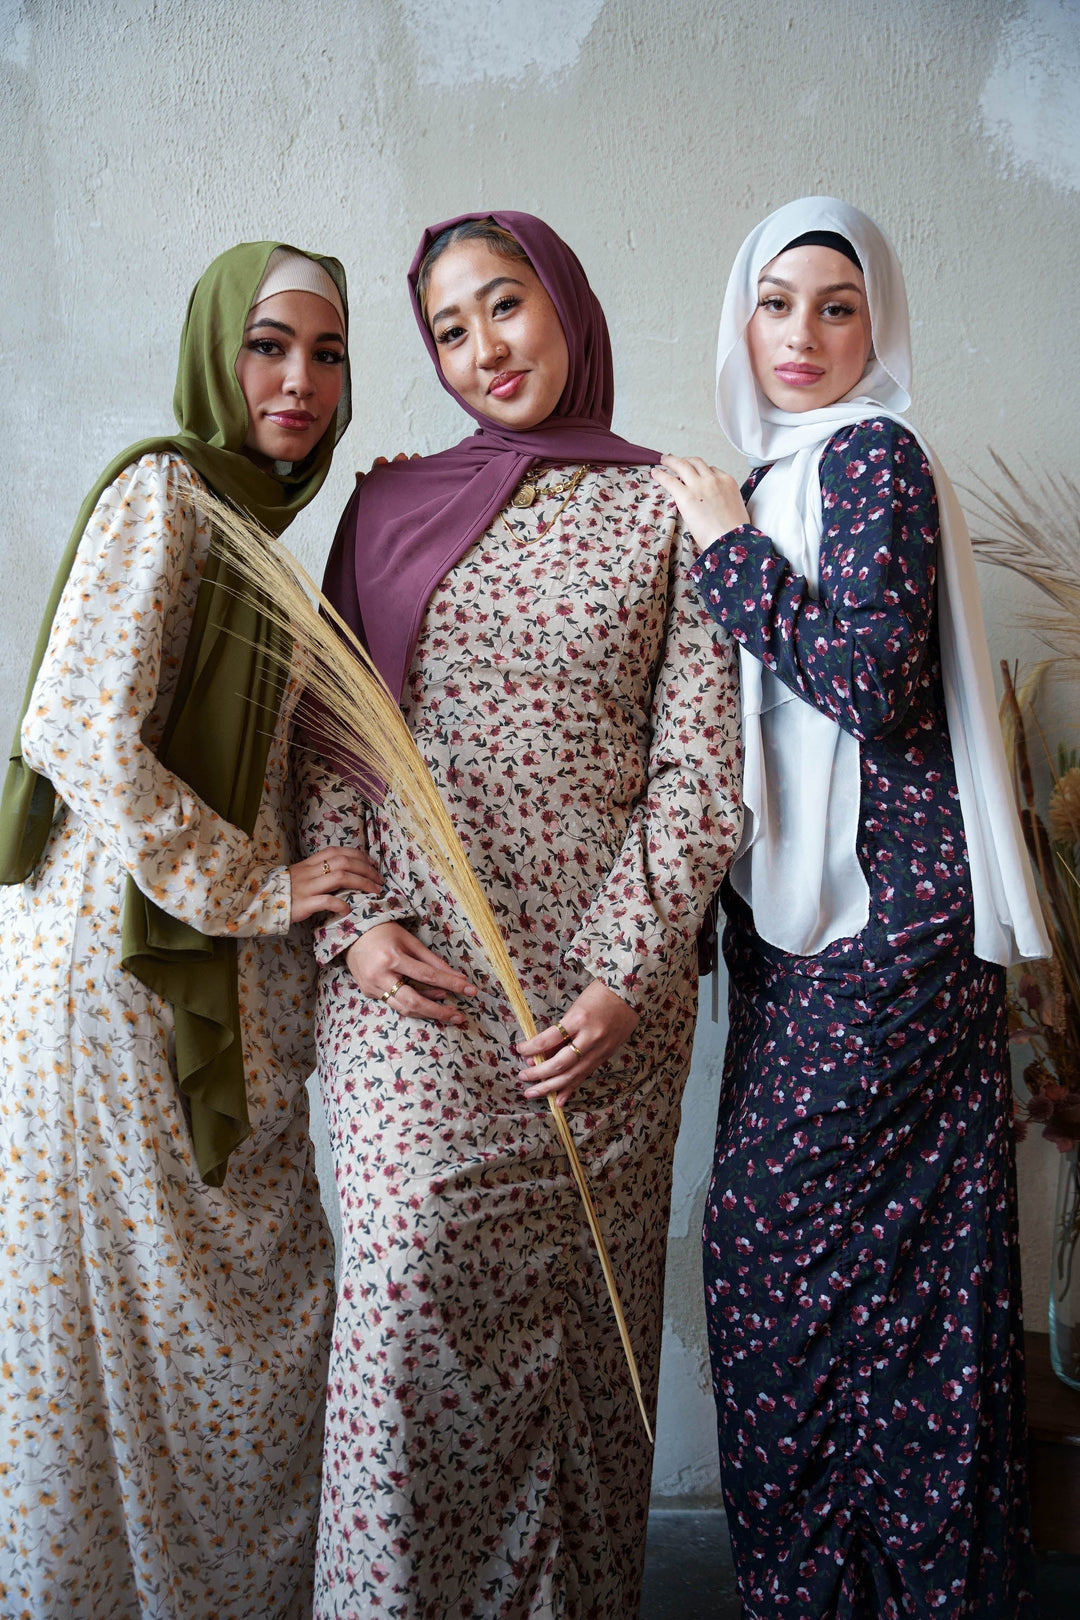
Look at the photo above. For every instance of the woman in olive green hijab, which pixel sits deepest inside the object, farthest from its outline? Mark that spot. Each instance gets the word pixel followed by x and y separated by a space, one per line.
pixel 165 1272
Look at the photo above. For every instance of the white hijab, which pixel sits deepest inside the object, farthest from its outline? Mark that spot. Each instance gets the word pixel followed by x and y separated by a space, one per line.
pixel 797 864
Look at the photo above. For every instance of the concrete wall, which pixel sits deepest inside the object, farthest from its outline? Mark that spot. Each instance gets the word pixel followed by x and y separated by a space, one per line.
pixel 140 138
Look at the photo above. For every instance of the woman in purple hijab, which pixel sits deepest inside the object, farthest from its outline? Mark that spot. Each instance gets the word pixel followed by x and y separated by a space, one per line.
pixel 527 594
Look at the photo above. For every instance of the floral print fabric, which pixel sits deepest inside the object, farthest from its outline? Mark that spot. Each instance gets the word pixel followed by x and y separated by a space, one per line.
pixel 861 1257
pixel 162 1343
pixel 484 1454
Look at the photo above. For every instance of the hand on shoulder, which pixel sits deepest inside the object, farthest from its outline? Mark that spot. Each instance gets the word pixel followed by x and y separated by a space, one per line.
pixel 384 461
pixel 708 499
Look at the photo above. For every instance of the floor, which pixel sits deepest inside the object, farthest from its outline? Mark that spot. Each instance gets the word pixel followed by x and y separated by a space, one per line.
pixel 689 1576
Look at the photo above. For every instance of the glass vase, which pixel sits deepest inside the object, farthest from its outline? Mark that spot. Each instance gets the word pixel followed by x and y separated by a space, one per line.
pixel 1065 1273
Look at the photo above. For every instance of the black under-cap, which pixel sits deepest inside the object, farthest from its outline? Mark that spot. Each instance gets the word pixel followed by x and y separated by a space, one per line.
pixel 829 239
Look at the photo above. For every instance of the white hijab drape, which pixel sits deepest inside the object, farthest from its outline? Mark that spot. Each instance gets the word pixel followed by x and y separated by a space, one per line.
pixel 797 865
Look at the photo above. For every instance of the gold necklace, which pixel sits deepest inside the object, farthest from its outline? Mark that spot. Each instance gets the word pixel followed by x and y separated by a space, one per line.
pixel 531 488
pixel 569 486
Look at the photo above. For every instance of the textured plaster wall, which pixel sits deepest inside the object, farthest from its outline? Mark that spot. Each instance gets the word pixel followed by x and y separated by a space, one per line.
pixel 140 138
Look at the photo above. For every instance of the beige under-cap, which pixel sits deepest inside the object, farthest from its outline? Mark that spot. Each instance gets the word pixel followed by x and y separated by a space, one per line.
pixel 289 271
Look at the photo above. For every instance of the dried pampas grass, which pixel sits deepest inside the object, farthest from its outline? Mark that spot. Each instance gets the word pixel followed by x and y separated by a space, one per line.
pixel 361 721
pixel 1033 528
pixel 1063 816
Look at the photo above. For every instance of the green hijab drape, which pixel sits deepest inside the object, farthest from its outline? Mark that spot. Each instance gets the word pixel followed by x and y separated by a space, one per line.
pixel 221 721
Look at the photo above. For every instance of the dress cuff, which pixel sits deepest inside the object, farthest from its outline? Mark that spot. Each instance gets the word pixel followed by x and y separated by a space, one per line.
pixel 279 901
pixel 265 899
pixel 366 911
pixel 715 558
pixel 631 981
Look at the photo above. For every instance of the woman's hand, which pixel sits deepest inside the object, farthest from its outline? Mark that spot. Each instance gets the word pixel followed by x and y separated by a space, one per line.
pixel 592 1028
pixel 390 964
pixel 708 499
pixel 384 461
pixel 317 882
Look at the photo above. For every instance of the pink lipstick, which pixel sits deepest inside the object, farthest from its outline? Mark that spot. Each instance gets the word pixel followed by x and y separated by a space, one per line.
pixel 799 376
pixel 291 421
pixel 506 384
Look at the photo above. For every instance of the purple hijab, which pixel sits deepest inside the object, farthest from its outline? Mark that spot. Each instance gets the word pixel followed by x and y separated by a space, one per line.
pixel 409 522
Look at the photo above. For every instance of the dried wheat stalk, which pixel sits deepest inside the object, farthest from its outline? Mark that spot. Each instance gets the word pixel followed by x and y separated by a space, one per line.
pixel 361 720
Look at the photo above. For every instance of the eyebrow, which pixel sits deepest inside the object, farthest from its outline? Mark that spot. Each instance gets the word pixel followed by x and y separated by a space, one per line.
pixel 834 287
pixel 280 326
pixel 481 292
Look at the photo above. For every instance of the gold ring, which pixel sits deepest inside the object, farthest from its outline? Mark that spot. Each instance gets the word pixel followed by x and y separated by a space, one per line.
pixel 326 868
pixel 562 1029
pixel 577 1049
pixel 390 994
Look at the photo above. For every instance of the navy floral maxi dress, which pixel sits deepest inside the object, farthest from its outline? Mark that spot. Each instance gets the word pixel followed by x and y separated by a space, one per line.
pixel 861 1259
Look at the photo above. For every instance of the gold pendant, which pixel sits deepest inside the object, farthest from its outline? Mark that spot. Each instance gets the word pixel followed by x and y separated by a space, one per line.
pixel 525 495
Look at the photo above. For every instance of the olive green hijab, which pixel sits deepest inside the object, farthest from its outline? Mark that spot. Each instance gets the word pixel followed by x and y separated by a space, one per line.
pixel 217 736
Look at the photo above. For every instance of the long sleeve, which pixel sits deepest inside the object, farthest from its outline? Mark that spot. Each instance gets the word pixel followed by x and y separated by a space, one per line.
pixel 333 811
pixel 111 664
pixel 854 652
pixel 684 829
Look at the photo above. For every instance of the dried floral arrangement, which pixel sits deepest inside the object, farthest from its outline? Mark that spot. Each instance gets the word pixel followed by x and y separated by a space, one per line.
pixel 1033 528
pixel 359 720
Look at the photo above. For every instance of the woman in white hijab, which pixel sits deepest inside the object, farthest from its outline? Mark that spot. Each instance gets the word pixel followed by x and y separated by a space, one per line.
pixel 861 1262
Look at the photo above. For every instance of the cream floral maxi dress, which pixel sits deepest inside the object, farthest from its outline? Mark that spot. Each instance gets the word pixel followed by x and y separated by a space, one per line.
pixel 484 1453
pixel 162 1343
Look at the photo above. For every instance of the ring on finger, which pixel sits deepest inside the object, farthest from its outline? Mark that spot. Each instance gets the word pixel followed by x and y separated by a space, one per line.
pixel 562 1029
pixel 389 995
pixel 326 868
pixel 576 1049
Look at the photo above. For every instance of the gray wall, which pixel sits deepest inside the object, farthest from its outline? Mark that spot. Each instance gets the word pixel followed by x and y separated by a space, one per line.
pixel 141 138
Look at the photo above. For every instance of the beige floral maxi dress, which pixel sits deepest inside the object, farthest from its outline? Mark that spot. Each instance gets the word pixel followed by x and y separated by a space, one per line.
pixel 484 1454
pixel 162 1343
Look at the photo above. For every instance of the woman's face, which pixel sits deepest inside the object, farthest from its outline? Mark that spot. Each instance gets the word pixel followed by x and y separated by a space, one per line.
pixel 290 372
pixel 809 337
pixel 500 342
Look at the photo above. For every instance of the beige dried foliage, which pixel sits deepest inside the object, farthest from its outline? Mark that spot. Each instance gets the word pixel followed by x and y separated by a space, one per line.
pixel 360 720
pixel 1032 526
pixel 1063 817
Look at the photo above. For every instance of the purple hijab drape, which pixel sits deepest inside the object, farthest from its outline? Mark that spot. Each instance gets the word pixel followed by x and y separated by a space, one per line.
pixel 409 522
